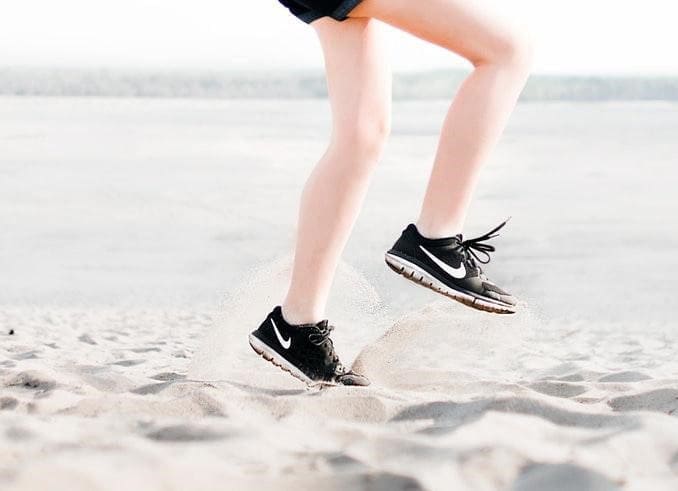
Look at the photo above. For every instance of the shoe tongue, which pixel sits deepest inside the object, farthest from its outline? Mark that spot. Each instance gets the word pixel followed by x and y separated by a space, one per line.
pixel 452 241
pixel 457 239
pixel 439 241
pixel 318 325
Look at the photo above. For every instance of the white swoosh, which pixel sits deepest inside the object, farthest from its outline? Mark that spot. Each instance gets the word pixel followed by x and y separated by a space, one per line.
pixel 458 273
pixel 285 343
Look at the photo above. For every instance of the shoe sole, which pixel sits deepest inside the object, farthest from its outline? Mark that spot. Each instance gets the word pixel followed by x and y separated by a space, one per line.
pixel 419 276
pixel 269 354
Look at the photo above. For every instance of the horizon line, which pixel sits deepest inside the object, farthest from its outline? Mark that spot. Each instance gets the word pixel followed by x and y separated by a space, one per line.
pixel 309 71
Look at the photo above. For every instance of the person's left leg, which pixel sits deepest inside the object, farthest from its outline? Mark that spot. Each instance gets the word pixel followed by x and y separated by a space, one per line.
pixel 501 59
pixel 433 252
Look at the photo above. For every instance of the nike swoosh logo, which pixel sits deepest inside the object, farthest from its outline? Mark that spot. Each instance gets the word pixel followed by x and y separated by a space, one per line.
pixel 458 273
pixel 285 343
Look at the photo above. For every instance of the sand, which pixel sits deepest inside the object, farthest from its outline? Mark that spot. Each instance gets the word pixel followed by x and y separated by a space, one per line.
pixel 134 261
pixel 107 399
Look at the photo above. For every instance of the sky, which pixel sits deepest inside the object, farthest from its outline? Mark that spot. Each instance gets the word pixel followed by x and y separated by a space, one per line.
pixel 596 37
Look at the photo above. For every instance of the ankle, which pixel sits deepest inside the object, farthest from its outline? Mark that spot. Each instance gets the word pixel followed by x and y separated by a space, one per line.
pixel 431 231
pixel 294 316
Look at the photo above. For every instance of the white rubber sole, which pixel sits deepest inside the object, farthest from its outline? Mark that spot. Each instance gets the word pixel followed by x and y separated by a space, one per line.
pixel 416 274
pixel 271 355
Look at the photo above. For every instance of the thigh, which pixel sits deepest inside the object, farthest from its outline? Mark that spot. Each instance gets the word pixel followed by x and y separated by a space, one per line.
pixel 465 27
pixel 357 69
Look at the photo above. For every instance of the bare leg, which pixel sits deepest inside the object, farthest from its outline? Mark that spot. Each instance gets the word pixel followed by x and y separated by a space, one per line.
pixel 501 58
pixel 359 85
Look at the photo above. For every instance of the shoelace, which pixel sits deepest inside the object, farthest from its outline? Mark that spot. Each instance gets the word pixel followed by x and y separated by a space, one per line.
pixel 478 244
pixel 321 336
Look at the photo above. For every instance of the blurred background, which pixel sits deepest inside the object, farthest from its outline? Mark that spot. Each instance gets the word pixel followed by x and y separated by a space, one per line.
pixel 575 37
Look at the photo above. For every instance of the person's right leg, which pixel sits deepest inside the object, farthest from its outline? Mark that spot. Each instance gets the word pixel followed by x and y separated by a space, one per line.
pixel 295 335
pixel 359 85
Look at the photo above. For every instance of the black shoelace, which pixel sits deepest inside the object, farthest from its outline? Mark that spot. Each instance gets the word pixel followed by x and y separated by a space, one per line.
pixel 320 336
pixel 472 247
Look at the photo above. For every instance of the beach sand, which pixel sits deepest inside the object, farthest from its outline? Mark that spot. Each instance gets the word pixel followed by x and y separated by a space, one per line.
pixel 125 309
pixel 107 399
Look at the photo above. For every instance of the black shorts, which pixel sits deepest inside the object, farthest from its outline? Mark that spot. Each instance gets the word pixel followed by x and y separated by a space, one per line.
pixel 310 10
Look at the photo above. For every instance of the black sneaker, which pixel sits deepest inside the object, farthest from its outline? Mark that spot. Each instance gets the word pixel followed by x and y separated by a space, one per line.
pixel 304 350
pixel 450 266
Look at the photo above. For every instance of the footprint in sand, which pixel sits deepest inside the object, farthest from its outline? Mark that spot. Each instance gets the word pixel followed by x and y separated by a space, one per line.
pixel 185 433
pixel 628 376
pixel 128 363
pixel 8 403
pixel 660 400
pixel 558 389
pixel 87 339
pixel 561 477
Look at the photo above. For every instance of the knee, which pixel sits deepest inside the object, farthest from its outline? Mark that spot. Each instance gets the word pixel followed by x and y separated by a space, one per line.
pixel 364 137
pixel 513 49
